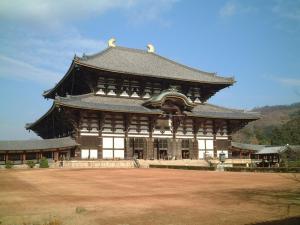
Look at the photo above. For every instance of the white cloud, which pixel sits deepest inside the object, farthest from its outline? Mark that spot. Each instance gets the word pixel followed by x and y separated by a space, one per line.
pixel 289 81
pixel 40 37
pixel 288 9
pixel 229 9
pixel 55 13
pixel 16 69
pixel 39 57
pixel 284 80
pixel 232 8
pixel 149 10
pixel 48 11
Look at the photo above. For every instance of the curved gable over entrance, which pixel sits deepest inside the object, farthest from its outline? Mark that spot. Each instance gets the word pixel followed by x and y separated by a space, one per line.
pixel 170 101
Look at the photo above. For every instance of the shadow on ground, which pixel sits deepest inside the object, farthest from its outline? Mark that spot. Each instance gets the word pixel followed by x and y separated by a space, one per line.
pixel 286 221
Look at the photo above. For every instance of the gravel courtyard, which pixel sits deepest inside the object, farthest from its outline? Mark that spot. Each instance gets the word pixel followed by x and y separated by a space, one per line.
pixel 145 196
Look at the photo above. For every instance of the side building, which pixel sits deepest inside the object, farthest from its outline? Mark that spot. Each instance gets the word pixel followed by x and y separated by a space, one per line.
pixel 123 103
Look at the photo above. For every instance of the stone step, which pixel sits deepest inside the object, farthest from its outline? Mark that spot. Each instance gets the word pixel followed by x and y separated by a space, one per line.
pixel 96 164
pixel 146 163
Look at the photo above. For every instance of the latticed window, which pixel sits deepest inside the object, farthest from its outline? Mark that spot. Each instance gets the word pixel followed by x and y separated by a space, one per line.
pixel 47 155
pixel 136 143
pixel 163 144
pixel 139 143
pixel 30 155
pixel 14 157
pixel 185 144
pixel 2 157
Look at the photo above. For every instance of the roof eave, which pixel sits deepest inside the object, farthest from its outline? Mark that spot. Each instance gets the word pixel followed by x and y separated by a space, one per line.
pixel 104 110
pixel 223 117
pixel 49 93
pixel 227 81
pixel 29 126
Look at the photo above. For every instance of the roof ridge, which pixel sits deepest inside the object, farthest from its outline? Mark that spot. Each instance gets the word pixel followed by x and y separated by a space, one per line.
pixel 106 50
pixel 188 67
pixel 248 144
pixel 154 54
pixel 39 140
pixel 223 107
pixel 233 109
pixel 86 57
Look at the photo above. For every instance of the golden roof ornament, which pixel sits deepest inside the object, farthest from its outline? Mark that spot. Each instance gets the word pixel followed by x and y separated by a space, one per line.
pixel 151 48
pixel 112 42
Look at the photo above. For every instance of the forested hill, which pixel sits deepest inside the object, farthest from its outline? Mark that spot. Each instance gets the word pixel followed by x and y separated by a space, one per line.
pixel 279 125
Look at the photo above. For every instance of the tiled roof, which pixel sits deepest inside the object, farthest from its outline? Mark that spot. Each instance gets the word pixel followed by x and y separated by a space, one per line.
pixel 143 63
pixel 131 105
pixel 213 111
pixel 17 145
pixel 101 103
pixel 245 146
pixel 265 149
pixel 279 149
pixel 272 150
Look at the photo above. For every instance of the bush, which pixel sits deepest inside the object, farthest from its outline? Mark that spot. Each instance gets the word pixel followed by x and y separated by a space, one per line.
pixel 264 169
pixel 44 163
pixel 80 210
pixel 9 164
pixel 30 163
pixel 182 167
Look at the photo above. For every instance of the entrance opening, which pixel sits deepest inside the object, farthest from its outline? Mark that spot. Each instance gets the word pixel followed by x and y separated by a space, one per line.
pixel 185 149
pixel 161 146
pixel 63 155
pixel 137 146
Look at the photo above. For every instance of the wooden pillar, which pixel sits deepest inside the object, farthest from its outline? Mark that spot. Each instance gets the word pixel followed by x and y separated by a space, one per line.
pixel 100 140
pixel 171 146
pixel 151 148
pixel 215 130
pixel 197 123
pixel 23 159
pixel 149 153
pixel 56 155
pixel 145 149
pixel 128 150
pixel 37 156
pixel 194 152
pixel 127 119
pixel 215 147
pixel 178 149
pixel 100 148
pixel 6 156
pixel 154 148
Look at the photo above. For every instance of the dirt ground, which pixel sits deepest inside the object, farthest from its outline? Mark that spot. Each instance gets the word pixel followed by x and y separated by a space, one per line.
pixel 145 196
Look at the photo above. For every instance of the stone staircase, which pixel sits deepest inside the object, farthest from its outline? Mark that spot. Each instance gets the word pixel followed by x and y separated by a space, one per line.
pixel 97 164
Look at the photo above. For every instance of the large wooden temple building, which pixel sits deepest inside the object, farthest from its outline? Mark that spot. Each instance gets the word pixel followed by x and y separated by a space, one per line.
pixel 123 103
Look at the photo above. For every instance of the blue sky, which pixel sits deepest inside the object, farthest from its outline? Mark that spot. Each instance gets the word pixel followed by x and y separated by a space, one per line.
pixel 257 42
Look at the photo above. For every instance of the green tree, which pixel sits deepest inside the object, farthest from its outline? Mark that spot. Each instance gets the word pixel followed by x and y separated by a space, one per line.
pixel 44 163
pixel 9 164
pixel 289 133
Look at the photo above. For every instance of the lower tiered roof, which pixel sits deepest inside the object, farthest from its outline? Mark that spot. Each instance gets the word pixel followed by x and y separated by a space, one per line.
pixel 28 145
pixel 134 106
pixel 131 105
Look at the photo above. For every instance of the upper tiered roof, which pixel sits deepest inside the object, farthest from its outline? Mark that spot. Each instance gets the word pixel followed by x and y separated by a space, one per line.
pixel 141 63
